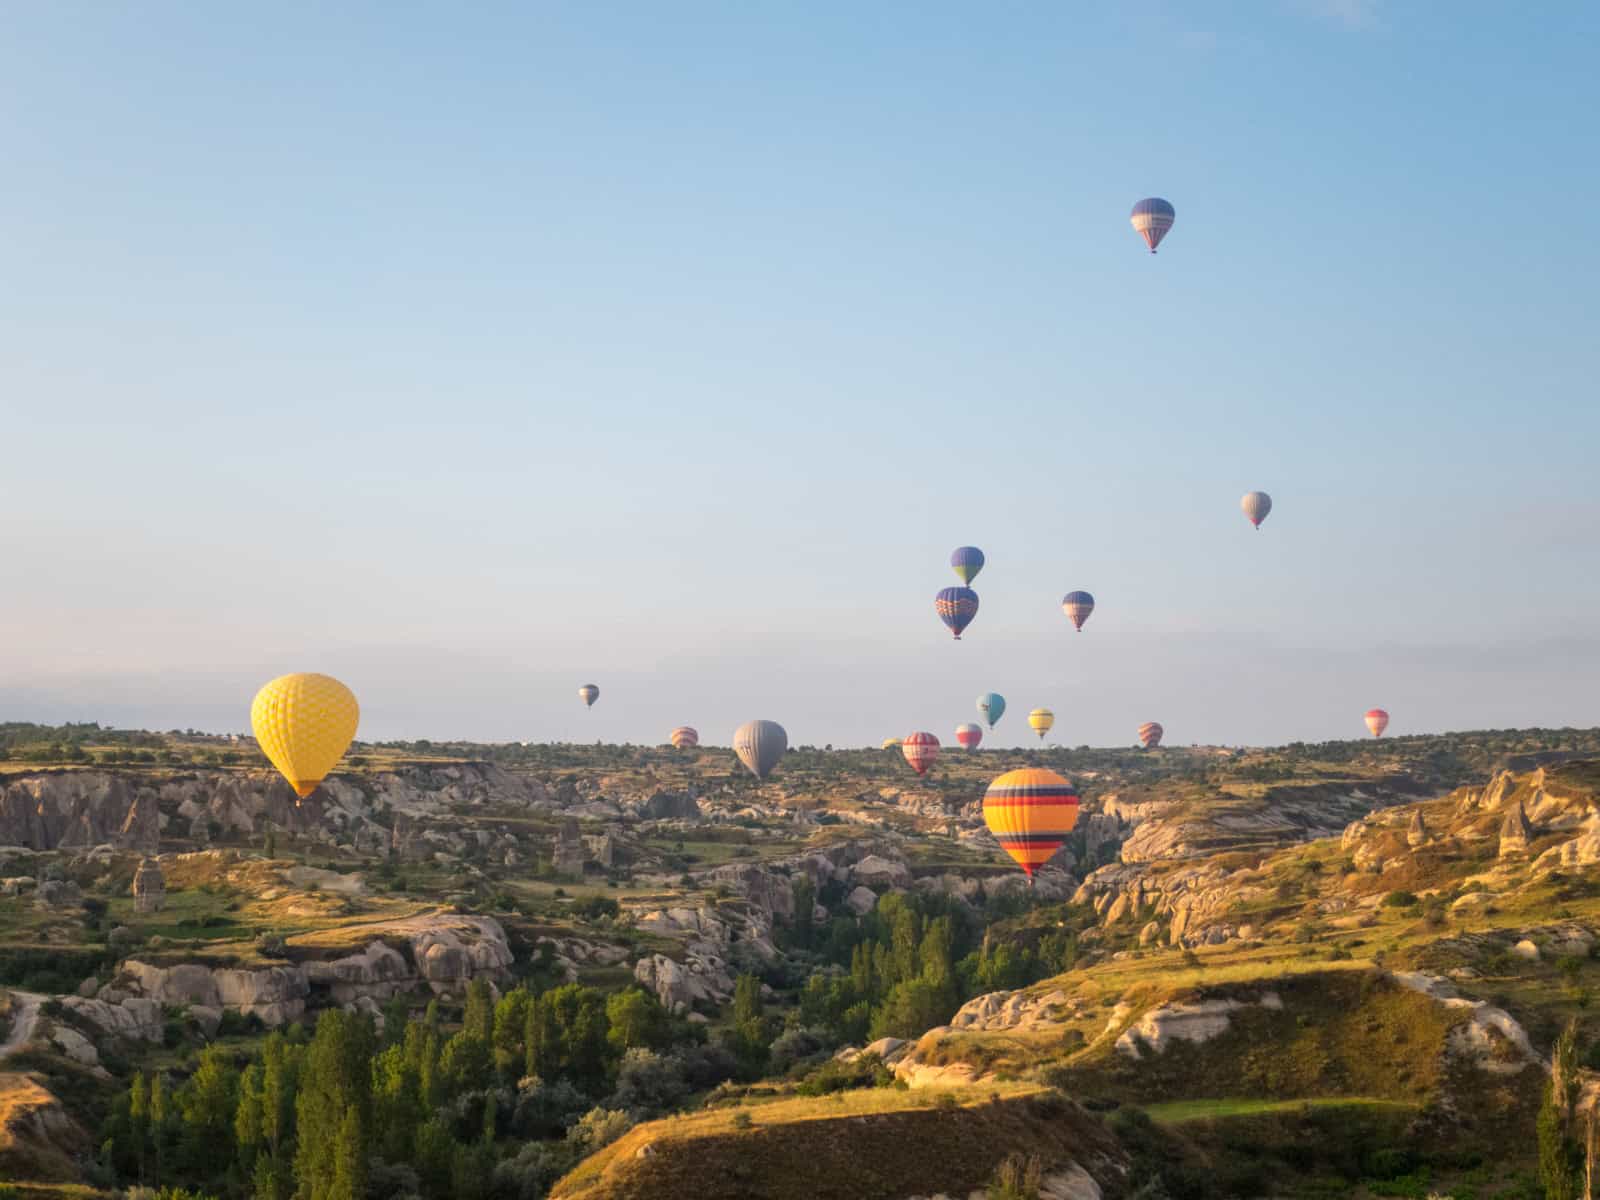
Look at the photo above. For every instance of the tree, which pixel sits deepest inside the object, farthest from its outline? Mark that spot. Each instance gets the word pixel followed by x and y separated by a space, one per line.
pixel 399 1104
pixel 510 1029
pixel 636 1019
pixel 1560 1155
pixel 350 1159
pixel 249 1121
pixel 333 1107
pixel 158 1118
pixel 139 1116
pixel 478 1019
pixel 463 1064
pixel 280 1085
pixel 566 1035
pixel 805 899
pixel 206 1105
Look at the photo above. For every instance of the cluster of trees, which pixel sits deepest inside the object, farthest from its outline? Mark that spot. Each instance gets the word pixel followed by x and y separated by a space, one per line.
pixel 908 965
pixel 418 1110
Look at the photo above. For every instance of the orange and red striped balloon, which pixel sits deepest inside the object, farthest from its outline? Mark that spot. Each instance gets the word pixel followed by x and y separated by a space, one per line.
pixel 1150 734
pixel 1377 721
pixel 1030 812
pixel 920 750
pixel 685 738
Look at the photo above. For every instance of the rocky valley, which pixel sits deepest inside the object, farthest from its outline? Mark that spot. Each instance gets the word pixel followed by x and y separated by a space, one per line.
pixel 635 972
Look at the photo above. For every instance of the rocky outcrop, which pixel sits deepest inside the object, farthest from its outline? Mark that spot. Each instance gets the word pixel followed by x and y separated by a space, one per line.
pixel 1280 816
pixel 78 808
pixel 149 887
pixel 861 901
pixel 1417 832
pixel 37 1137
pixel 1490 1038
pixel 1196 1022
pixel 997 1011
pixel 875 871
pixel 133 1018
pixel 1515 831
pixel 447 952
pixel 670 806
pixel 682 987
pixel 1582 851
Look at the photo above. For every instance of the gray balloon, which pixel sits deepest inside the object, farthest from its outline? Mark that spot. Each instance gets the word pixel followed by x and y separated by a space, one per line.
pixel 1256 506
pixel 760 745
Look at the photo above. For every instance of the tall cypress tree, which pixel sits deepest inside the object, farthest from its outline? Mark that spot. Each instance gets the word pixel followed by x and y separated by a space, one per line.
pixel 332 1113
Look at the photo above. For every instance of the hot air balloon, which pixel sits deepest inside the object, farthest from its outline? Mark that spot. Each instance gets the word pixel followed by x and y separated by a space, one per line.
pixel 966 562
pixel 993 706
pixel 1077 606
pixel 588 693
pixel 304 723
pixel 1150 734
pixel 1256 506
pixel 969 736
pixel 890 743
pixel 760 745
pixel 1377 721
pixel 1040 720
pixel 1151 219
pixel 956 607
pixel 1030 812
pixel 920 750
pixel 685 738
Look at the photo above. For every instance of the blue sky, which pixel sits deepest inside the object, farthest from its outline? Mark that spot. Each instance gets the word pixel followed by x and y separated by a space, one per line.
pixel 471 354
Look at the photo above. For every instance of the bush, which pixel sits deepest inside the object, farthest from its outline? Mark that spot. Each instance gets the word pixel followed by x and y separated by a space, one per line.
pixel 1400 900
pixel 1018 1178
pixel 837 1075
pixel 597 1128
pixel 741 1120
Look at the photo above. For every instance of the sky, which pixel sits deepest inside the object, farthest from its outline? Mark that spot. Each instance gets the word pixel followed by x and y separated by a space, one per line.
pixel 473 353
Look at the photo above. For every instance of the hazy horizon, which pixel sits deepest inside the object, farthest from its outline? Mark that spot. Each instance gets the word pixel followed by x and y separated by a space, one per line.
pixel 470 358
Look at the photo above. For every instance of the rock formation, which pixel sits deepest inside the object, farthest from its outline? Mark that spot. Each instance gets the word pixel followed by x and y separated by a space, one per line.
pixel 569 852
pixel 1515 831
pixel 149 887
pixel 1417 834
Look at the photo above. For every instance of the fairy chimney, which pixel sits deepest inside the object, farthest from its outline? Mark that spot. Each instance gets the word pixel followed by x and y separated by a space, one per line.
pixel 1417 835
pixel 149 888
pixel 1515 831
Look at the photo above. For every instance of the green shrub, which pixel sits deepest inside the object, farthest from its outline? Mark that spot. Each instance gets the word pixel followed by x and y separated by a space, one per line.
pixel 1400 900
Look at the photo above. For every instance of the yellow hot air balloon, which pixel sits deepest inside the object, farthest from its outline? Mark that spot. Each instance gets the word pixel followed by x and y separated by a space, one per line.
pixel 890 743
pixel 1030 812
pixel 1040 720
pixel 304 724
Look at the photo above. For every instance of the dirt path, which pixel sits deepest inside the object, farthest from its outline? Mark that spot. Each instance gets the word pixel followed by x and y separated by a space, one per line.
pixel 24 1017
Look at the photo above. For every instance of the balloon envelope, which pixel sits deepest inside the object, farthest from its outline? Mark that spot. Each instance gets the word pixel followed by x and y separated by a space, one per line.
pixel 685 737
pixel 1256 506
pixel 1030 812
pixel 1377 721
pixel 1040 720
pixel 993 706
pixel 760 746
pixel 1151 219
pixel 956 607
pixel 969 736
pixel 966 562
pixel 588 693
pixel 1077 606
pixel 890 743
pixel 1150 734
pixel 304 723
pixel 920 750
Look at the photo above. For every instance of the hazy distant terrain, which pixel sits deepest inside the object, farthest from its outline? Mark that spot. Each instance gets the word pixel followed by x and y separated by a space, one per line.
pixel 621 971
